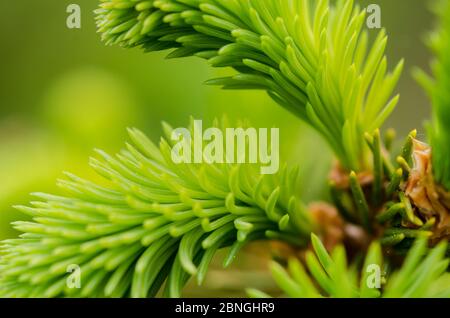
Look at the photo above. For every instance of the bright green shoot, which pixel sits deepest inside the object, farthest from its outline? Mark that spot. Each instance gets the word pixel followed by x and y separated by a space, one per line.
pixel 312 58
pixel 439 92
pixel 152 221
pixel 423 275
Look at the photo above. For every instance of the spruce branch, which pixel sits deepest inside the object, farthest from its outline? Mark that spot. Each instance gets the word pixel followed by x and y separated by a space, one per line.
pixel 312 58
pixel 153 221
pixel 422 275
pixel 437 88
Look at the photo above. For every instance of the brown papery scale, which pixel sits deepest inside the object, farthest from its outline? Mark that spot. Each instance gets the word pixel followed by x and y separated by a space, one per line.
pixel 430 199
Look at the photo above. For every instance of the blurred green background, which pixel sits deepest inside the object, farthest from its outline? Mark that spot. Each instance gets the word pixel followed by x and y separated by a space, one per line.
pixel 64 93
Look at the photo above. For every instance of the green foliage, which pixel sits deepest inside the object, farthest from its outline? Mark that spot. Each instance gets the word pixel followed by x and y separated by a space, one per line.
pixel 423 274
pixel 152 222
pixel 313 58
pixel 439 92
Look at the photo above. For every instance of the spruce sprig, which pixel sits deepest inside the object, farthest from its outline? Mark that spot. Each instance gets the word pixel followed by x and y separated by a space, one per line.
pixel 437 88
pixel 422 275
pixel 312 58
pixel 152 222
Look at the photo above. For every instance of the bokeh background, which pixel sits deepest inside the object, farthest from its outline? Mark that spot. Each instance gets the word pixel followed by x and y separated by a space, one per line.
pixel 63 93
